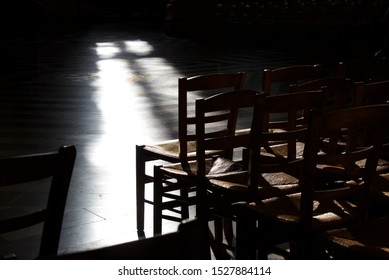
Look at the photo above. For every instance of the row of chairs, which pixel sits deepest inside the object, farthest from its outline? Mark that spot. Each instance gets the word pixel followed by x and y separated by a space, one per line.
pixel 183 148
pixel 335 180
pixel 342 95
pixel 328 185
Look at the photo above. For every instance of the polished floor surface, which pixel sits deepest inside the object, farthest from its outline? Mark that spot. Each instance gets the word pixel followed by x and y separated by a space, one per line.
pixel 105 88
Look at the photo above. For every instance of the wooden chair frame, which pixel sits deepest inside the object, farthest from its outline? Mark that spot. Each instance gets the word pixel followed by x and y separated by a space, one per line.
pixel 177 150
pixel 28 168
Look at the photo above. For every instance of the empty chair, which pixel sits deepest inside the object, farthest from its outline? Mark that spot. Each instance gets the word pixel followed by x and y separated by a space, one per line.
pixel 278 80
pixel 183 244
pixel 21 173
pixel 334 189
pixel 370 94
pixel 216 119
pixel 182 148
pixel 283 143
pixel 285 76
pixel 274 171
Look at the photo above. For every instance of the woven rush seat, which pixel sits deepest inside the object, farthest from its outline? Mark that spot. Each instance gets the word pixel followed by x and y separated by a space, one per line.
pixel 326 214
pixel 170 148
pixel 215 168
pixel 364 241
pixel 382 165
pixel 270 184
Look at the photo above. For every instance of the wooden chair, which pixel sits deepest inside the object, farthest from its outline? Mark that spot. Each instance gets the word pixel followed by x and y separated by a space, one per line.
pixel 334 189
pixel 26 170
pixel 370 94
pixel 285 76
pixel 274 171
pixel 284 141
pixel 183 148
pixel 183 244
pixel 216 119
pixel 278 80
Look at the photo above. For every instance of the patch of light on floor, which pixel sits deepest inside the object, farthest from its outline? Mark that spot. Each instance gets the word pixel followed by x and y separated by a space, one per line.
pixel 138 47
pixel 107 49
pixel 126 72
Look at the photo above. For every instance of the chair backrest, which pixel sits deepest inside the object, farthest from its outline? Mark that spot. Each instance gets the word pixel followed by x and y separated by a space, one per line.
pixel 288 114
pixel 276 149
pixel 28 169
pixel 371 93
pixel 340 92
pixel 207 84
pixel 216 119
pixel 184 244
pixel 288 75
pixel 333 168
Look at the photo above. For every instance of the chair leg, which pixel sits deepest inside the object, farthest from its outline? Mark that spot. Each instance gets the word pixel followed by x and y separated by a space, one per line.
pixel 228 231
pixel 184 208
pixel 246 244
pixel 218 246
pixel 158 185
pixel 218 229
pixel 140 189
pixel 310 247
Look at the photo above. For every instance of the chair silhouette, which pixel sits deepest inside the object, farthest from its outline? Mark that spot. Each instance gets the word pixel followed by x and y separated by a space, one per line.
pixel 183 244
pixel 278 80
pixel 280 146
pixel 216 119
pixel 27 169
pixel 285 76
pixel 229 185
pixel 334 189
pixel 182 148
pixel 273 171
pixel 369 94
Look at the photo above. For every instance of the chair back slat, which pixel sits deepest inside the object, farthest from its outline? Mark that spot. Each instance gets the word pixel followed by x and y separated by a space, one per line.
pixel 289 75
